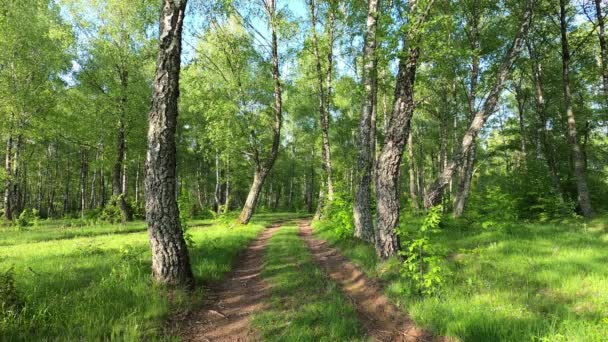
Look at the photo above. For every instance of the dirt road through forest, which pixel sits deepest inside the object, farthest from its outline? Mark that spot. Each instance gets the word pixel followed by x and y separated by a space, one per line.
pixel 232 302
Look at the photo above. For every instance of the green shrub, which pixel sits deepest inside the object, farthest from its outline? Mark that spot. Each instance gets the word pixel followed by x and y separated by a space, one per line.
pixel 23 221
pixel 424 265
pixel 340 215
pixel 10 300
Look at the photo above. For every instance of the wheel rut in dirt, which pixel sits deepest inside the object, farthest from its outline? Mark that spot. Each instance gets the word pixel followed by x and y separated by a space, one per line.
pixel 231 303
pixel 382 320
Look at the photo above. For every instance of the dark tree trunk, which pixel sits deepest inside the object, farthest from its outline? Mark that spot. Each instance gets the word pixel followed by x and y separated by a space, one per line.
pixel 577 154
pixel 362 212
pixel 398 128
pixel 170 259
pixel 434 194
pixel 264 167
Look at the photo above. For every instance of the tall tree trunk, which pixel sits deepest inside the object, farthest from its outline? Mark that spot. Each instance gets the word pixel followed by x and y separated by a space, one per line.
pixel 577 154
pixel 324 102
pixel 170 259
pixel 389 160
pixel 362 212
pixel 217 192
pixel 603 47
pixel 433 195
pixel 264 167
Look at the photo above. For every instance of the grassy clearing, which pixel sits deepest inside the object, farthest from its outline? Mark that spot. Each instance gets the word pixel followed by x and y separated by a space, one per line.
pixel 98 286
pixel 305 305
pixel 524 282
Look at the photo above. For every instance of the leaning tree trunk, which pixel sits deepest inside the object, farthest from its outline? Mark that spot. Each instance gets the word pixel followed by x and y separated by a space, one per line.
pixel 254 193
pixel 264 167
pixel 433 195
pixel 389 161
pixel 170 259
pixel 397 131
pixel 577 154
pixel 362 212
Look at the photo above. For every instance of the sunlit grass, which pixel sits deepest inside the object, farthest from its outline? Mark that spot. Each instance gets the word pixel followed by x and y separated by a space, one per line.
pixel 305 305
pixel 94 283
pixel 524 282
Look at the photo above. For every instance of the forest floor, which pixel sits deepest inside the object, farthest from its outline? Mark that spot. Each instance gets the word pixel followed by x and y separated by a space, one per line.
pixel 518 282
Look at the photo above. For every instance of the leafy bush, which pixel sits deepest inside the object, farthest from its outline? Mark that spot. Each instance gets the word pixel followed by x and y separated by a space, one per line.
pixel 10 300
pixel 340 215
pixel 424 266
pixel 23 220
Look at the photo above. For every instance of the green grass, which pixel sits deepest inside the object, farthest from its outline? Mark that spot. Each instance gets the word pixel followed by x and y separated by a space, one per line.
pixel 523 282
pixel 93 283
pixel 305 305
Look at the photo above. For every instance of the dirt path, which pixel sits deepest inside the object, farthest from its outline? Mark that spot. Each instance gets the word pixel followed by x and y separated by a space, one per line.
pixel 234 300
pixel 382 319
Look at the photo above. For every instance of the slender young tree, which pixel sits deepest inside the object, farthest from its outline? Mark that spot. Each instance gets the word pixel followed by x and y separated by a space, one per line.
pixel 577 153
pixel 170 259
pixel 362 212
pixel 263 167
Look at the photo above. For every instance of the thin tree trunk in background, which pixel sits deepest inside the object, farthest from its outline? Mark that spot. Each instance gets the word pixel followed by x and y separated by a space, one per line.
pixel 412 173
pixel 137 184
pixel 577 154
pixel 433 195
pixel 362 212
pixel 522 98
pixel 39 188
pixel 83 181
pixel 93 194
pixel 538 77
pixel 324 101
pixel 264 167
pixel 216 194
pixel 66 192
pixel 466 176
pixel 170 258
pixel 227 193
pixel 8 185
pixel 603 47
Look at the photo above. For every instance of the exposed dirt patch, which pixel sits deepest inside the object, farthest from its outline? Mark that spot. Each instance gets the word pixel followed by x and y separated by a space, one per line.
pixel 381 318
pixel 230 304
